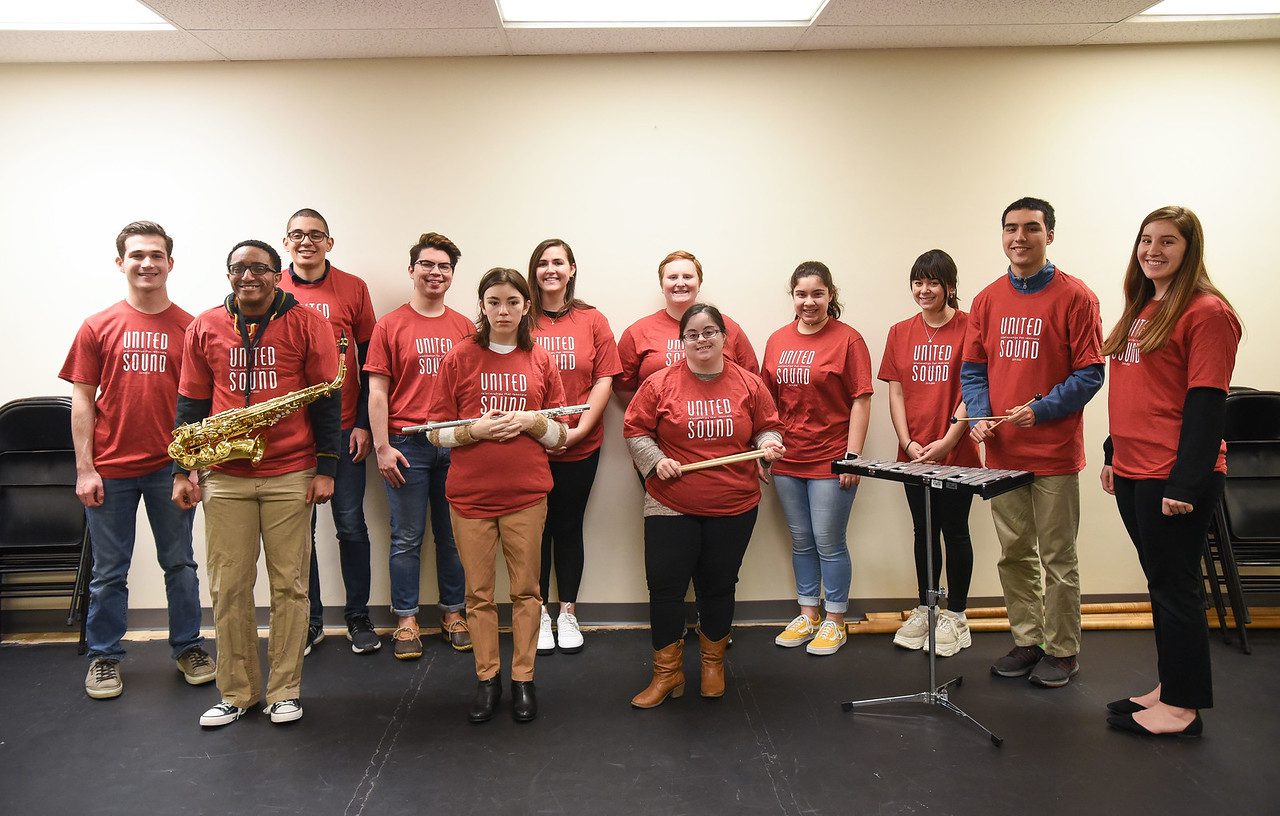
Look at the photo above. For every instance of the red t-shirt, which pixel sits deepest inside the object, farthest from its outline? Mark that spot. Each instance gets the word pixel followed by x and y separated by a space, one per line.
pixel 581 345
pixel 297 350
pixel 1030 343
pixel 693 420
pixel 653 343
pixel 343 299
pixel 408 348
pixel 134 359
pixel 486 478
pixel 1147 391
pixel 927 365
pixel 814 379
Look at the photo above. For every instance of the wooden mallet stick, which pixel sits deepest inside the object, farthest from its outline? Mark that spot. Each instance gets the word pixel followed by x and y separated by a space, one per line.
pixel 731 459
pixel 998 419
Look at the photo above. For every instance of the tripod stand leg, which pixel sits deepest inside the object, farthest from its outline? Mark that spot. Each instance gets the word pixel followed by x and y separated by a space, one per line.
pixel 921 697
pixel 959 712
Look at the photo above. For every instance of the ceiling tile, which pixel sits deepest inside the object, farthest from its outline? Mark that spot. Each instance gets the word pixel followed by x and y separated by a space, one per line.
pixel 977 12
pixel 1165 31
pixel 103 46
pixel 363 44
pixel 833 38
pixel 321 14
pixel 646 40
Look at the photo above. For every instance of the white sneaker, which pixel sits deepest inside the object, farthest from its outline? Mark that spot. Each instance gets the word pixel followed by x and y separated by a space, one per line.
pixel 568 633
pixel 284 711
pixel 546 640
pixel 914 634
pixel 223 713
pixel 951 634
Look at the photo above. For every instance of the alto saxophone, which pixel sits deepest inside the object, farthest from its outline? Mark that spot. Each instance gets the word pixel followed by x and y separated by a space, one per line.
pixel 225 435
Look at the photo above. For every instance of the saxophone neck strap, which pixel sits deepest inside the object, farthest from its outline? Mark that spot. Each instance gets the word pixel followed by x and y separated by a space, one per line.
pixel 251 331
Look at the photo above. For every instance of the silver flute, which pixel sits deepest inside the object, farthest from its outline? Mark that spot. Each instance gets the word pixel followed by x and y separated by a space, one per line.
pixel 550 413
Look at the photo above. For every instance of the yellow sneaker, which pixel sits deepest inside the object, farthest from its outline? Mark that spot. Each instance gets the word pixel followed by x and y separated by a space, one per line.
pixel 831 636
pixel 799 632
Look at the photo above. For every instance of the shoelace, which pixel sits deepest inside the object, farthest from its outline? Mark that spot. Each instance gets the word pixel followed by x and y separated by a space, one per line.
pixel 413 634
pixel 279 704
pixel 199 658
pixel 829 630
pixel 225 708
pixel 361 624
pixel 802 623
pixel 104 670
pixel 570 621
pixel 946 625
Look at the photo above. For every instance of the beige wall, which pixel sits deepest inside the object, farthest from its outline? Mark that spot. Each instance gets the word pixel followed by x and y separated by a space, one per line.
pixel 754 162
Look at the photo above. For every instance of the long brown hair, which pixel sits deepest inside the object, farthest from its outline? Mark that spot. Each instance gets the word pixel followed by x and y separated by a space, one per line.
pixel 496 277
pixel 570 301
pixel 1189 280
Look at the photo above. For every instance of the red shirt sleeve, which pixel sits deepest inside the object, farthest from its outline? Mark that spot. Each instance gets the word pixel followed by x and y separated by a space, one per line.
pixel 1085 330
pixel 628 378
pixel 364 320
pixel 741 351
pixel 379 359
pixel 196 381
pixel 1213 337
pixel 641 418
pixel 84 359
pixel 444 405
pixel 607 362
pixel 889 362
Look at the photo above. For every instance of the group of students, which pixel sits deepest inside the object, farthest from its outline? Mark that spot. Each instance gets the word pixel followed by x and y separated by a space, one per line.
pixel 519 479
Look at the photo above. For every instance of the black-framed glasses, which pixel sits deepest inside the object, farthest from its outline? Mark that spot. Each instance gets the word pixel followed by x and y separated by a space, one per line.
pixel 257 270
pixel 297 236
pixel 428 266
pixel 705 334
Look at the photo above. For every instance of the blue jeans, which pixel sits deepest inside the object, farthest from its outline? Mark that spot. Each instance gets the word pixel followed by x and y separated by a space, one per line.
pixel 817 512
pixel 423 484
pixel 353 538
pixel 112 527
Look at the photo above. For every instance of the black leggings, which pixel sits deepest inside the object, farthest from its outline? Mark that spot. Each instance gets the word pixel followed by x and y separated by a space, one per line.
pixel 706 549
pixel 1170 550
pixel 950 513
pixel 562 535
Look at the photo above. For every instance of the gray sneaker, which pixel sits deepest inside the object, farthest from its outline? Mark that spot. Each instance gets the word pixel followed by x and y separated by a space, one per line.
pixel 103 680
pixel 1055 672
pixel 1019 661
pixel 197 666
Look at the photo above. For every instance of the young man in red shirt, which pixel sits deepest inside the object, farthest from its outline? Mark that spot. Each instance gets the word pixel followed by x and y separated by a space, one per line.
pixel 1036 330
pixel 123 368
pixel 343 300
pixel 258 345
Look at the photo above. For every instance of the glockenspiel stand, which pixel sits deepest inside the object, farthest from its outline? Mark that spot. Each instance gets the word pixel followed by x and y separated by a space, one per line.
pixel 934 694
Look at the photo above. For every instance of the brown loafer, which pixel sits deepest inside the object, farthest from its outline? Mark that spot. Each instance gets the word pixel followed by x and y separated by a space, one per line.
pixel 408 643
pixel 456 634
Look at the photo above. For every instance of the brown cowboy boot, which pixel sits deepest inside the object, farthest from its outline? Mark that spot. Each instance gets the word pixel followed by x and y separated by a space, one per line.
pixel 712 665
pixel 668 678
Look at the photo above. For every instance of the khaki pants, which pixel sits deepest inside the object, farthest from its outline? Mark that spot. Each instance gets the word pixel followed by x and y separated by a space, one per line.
pixel 239 513
pixel 1037 526
pixel 521 537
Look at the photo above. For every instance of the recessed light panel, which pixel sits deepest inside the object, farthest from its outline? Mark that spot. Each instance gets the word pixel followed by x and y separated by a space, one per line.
pixel 657 13
pixel 1214 8
pixel 79 15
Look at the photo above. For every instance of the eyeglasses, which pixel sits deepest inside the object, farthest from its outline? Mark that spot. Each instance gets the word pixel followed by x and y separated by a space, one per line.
pixel 316 236
pixel 705 334
pixel 427 266
pixel 257 270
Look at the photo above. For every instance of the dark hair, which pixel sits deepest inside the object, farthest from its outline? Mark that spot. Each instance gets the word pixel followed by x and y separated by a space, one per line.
pixel 1028 203
pixel 570 301
pixel 1189 280
pixel 265 247
pixel 496 277
pixel 307 212
pixel 699 308
pixel 680 255
pixel 817 269
pixel 434 240
pixel 936 265
pixel 143 228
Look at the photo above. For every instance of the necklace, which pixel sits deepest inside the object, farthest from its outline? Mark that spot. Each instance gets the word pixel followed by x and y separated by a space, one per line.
pixel 929 337
pixel 554 316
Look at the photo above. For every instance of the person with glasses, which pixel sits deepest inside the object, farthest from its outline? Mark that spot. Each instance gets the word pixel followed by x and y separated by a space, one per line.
pixel 697 525
pixel 499 482
pixel 123 368
pixel 922 366
pixel 653 343
pixel 579 339
pixel 404 367
pixel 818 370
pixel 344 301
pixel 258 345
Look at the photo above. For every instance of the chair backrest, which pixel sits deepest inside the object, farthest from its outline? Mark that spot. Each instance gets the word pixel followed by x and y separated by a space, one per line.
pixel 1249 498
pixel 36 423
pixel 1252 415
pixel 38 504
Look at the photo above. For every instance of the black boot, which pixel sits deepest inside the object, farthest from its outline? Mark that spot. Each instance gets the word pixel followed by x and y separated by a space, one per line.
pixel 524 704
pixel 488 693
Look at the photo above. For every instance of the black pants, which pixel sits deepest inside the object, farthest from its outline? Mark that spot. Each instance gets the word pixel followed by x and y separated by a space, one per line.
pixel 562 535
pixel 1170 550
pixel 706 549
pixel 950 513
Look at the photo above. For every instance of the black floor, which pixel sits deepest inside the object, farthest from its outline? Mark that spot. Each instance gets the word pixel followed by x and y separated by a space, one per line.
pixel 381 737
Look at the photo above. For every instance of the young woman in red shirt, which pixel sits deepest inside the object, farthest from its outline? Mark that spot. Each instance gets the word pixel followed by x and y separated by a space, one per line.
pixel 1171 356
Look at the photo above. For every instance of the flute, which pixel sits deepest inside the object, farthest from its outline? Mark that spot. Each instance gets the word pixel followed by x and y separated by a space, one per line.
pixel 550 413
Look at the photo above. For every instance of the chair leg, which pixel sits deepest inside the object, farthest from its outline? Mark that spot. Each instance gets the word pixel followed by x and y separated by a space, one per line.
pixel 1211 572
pixel 80 600
pixel 1234 591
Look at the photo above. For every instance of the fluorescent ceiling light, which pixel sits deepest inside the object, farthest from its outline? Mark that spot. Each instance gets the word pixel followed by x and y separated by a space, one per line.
pixel 79 15
pixel 658 13
pixel 1213 8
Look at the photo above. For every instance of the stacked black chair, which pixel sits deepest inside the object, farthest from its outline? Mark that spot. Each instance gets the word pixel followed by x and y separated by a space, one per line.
pixel 1242 553
pixel 44 540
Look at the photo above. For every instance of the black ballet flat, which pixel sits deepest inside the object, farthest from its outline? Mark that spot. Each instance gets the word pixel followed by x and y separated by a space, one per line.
pixel 1126 722
pixel 1124 706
